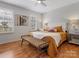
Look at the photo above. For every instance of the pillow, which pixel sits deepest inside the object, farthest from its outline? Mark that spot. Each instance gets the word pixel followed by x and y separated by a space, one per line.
pixel 59 28
pixel 52 30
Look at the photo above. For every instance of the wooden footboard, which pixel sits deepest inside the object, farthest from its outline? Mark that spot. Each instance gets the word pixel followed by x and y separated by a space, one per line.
pixel 52 48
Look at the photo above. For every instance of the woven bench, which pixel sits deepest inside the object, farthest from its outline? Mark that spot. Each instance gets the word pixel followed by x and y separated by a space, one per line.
pixel 39 44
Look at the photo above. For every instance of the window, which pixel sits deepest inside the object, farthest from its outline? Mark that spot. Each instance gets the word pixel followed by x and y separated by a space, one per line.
pixel 35 23
pixel 6 21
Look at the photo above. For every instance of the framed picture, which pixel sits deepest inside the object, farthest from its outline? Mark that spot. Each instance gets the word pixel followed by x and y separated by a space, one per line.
pixel 22 20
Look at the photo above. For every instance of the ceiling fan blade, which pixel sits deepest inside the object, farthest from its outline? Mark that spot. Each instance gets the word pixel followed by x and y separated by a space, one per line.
pixel 41 0
pixel 43 4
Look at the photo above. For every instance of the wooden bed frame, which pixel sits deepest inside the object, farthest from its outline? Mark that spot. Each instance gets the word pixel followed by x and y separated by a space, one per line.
pixel 49 41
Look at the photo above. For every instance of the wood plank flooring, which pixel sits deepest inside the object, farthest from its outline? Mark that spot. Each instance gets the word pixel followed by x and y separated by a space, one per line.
pixel 14 50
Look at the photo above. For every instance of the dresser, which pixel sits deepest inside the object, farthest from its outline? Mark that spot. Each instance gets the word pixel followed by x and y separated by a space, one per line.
pixel 73 31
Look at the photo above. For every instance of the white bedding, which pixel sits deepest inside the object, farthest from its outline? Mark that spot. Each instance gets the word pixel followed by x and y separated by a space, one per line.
pixel 40 35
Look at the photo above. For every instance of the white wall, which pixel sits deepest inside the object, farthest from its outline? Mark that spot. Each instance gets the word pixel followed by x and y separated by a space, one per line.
pixel 18 30
pixel 61 15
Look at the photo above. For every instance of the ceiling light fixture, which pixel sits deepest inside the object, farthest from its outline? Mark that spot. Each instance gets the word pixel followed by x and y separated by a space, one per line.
pixel 40 2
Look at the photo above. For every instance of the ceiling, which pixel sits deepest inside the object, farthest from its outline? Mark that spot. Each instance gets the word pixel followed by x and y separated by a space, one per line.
pixel 51 4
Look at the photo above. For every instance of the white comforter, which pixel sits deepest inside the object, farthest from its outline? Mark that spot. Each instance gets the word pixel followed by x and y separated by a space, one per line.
pixel 40 35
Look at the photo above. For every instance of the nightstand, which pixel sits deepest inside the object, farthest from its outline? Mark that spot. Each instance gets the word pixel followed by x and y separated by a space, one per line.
pixel 74 38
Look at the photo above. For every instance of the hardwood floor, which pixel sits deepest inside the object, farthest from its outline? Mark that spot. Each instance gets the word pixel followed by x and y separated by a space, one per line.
pixel 68 51
pixel 14 50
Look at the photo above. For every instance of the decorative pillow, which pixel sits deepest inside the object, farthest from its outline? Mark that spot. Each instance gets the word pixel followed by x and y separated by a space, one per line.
pixel 52 30
pixel 59 29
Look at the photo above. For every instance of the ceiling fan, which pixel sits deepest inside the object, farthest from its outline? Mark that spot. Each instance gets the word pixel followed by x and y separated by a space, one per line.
pixel 40 2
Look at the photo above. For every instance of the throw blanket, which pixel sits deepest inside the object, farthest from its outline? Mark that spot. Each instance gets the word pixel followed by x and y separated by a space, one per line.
pixel 55 36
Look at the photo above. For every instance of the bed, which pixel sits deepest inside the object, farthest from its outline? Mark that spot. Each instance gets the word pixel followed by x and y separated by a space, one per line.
pixel 54 40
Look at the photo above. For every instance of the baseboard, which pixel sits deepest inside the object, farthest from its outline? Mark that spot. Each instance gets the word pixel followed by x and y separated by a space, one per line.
pixel 9 41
